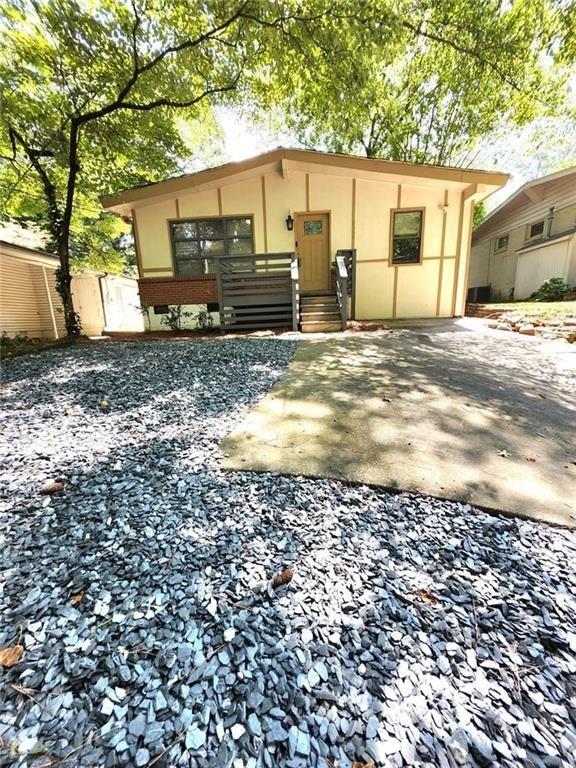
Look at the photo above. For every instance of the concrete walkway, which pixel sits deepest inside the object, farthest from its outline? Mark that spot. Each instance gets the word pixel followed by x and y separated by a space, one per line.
pixel 449 409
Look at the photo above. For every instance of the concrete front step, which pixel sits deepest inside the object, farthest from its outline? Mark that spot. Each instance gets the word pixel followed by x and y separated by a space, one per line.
pixel 320 314
pixel 318 326
pixel 332 315
pixel 319 302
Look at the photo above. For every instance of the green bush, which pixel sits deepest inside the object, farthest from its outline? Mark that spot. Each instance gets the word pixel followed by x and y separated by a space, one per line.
pixel 552 290
pixel 174 317
pixel 204 320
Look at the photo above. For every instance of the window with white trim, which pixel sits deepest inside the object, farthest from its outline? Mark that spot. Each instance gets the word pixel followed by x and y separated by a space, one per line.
pixel 535 230
pixel 501 244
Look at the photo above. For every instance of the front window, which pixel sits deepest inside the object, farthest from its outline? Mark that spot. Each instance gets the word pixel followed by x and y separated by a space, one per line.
pixel 535 230
pixel 407 236
pixel 196 241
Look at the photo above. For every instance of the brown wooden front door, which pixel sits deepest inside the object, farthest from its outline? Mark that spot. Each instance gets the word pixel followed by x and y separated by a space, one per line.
pixel 313 250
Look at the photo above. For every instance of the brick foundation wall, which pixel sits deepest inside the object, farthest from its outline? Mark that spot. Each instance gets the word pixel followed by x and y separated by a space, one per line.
pixel 177 290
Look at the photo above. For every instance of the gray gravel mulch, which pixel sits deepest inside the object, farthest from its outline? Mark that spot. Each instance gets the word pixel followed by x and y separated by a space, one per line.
pixel 414 631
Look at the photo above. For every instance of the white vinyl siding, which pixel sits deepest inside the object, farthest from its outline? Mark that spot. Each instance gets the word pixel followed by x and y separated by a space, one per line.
pixel 541 264
pixel 24 305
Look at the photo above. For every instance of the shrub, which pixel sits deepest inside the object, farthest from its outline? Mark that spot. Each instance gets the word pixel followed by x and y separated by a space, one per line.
pixel 552 290
pixel 15 345
pixel 204 320
pixel 173 319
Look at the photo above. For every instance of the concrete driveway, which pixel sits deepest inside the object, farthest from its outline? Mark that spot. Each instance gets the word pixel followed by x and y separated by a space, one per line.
pixel 450 409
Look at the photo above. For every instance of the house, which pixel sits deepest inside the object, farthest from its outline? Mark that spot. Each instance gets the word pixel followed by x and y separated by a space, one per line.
pixel 29 302
pixel 528 239
pixel 401 232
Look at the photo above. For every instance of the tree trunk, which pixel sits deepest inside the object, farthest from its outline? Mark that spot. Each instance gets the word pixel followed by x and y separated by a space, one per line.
pixel 73 328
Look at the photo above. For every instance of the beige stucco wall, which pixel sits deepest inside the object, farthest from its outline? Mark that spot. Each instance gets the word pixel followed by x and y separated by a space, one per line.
pixel 153 238
pixel 359 211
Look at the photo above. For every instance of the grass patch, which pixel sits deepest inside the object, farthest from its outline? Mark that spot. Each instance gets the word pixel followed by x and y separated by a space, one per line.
pixel 541 310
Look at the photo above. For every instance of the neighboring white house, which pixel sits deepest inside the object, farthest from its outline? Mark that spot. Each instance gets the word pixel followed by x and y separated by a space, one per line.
pixel 31 306
pixel 528 239
pixel 29 302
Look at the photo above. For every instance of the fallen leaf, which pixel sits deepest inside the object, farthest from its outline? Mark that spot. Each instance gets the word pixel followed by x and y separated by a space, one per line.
pixel 504 454
pixel 387 399
pixel 11 656
pixel 77 599
pixel 541 395
pixel 103 403
pixel 530 458
pixel 52 488
pixel 356 764
pixel 282 578
pixel 428 597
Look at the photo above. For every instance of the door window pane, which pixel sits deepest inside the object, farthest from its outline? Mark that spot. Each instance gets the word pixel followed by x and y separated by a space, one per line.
pixel 313 227
pixel 406 237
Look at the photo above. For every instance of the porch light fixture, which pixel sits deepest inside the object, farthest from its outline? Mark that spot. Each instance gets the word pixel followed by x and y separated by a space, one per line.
pixel 289 223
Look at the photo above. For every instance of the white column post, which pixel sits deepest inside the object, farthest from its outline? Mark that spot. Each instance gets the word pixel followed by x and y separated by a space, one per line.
pixel 49 297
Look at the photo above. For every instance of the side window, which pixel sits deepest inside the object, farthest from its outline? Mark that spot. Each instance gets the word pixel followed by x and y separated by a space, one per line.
pixel 535 230
pixel 406 236
pixel 501 244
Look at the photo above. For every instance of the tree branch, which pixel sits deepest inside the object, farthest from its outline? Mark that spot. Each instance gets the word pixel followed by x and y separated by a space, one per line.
pixel 49 188
pixel 418 30
pixel 173 103
pixel 119 102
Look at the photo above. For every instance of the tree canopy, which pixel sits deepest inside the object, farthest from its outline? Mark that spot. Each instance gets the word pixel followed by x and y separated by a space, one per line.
pixel 443 75
pixel 91 91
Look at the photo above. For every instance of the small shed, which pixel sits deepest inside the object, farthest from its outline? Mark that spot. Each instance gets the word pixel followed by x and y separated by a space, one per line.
pixel 29 302
pixel 107 303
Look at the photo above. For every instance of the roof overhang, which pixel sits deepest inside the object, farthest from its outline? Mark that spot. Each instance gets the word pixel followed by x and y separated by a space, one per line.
pixel 533 191
pixel 476 184
pixel 31 255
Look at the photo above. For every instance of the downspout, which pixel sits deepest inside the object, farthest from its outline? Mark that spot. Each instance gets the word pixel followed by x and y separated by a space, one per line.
pixel 50 305
pixel 102 301
pixel 549 224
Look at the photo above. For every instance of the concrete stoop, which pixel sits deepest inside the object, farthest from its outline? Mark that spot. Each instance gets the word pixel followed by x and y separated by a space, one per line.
pixel 319 314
